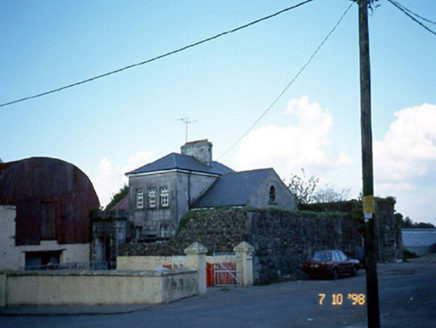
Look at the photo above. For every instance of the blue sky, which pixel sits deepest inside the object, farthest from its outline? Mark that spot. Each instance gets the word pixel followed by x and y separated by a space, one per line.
pixel 126 120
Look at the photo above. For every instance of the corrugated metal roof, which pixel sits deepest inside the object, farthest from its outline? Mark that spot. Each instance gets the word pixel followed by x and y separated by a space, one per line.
pixel 419 237
pixel 5 166
pixel 233 189
pixel 182 162
pixel 53 200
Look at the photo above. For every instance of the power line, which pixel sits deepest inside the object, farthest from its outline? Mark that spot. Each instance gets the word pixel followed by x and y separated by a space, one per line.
pixel 414 14
pixel 157 57
pixel 289 84
pixel 410 14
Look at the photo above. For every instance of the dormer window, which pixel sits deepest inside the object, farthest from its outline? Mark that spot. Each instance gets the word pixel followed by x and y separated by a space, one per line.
pixel 272 195
pixel 152 197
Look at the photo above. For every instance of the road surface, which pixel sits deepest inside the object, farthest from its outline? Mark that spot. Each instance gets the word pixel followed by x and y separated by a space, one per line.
pixel 407 299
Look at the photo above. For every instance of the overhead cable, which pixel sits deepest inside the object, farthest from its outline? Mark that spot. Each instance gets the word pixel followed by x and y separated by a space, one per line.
pixel 410 14
pixel 289 84
pixel 157 57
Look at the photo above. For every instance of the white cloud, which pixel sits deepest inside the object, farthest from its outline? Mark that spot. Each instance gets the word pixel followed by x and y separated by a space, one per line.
pixel 386 188
pixel 290 148
pixel 112 177
pixel 408 150
pixel 405 162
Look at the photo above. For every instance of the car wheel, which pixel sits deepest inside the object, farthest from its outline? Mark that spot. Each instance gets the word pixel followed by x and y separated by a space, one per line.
pixel 354 272
pixel 335 274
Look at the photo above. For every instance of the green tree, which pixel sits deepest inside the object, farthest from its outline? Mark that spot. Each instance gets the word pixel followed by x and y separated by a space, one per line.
pixel 329 194
pixel 307 190
pixel 409 224
pixel 423 225
pixel 303 187
pixel 118 196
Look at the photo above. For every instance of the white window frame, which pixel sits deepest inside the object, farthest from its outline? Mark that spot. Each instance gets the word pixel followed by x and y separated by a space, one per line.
pixel 151 197
pixel 164 231
pixel 164 197
pixel 139 198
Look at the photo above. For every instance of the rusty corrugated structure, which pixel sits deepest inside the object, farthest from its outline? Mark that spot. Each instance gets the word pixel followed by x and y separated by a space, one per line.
pixel 53 199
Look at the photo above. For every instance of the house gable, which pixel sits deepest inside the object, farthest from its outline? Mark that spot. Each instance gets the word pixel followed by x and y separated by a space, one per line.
pixel 258 188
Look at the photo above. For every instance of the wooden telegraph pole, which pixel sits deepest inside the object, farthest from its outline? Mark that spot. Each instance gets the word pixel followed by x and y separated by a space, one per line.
pixel 373 310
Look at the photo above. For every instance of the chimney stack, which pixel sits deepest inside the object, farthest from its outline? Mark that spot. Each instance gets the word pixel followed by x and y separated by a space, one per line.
pixel 201 150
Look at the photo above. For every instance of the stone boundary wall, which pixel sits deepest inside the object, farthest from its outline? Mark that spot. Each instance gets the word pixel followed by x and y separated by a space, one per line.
pixel 388 231
pixel 220 230
pixel 51 288
pixel 282 239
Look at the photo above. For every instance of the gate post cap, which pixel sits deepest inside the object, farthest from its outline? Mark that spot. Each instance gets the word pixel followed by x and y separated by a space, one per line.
pixel 243 247
pixel 196 248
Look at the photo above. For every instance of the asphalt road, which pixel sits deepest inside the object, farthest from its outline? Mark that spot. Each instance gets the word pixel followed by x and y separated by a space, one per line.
pixel 407 299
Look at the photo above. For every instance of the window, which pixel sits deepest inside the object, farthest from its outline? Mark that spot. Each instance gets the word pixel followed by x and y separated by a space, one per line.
pixel 139 202
pixel 343 256
pixel 48 220
pixel 152 197
pixel 44 260
pixel 164 200
pixel 164 231
pixel 272 194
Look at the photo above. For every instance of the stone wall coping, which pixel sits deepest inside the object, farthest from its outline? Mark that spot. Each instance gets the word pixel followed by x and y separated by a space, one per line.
pixel 114 273
pixel 196 248
pixel 244 247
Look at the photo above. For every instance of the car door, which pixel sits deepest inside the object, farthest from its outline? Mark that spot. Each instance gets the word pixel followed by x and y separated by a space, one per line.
pixel 337 261
pixel 346 265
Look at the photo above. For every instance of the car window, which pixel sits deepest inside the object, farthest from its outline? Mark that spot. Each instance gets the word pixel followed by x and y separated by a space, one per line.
pixel 336 256
pixel 322 256
pixel 343 256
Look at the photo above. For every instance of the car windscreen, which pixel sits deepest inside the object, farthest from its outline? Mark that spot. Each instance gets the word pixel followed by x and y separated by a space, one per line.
pixel 322 256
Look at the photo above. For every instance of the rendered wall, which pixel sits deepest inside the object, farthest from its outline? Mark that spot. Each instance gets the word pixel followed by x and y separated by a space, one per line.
pixel 139 263
pixel 13 257
pixel 284 199
pixel 96 288
pixel 8 258
pixel 184 188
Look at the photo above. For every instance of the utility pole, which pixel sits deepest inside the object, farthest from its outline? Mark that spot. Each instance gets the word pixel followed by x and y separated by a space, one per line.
pixel 187 122
pixel 373 308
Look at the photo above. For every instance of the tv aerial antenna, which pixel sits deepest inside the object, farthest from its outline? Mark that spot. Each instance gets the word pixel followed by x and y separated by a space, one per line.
pixel 187 121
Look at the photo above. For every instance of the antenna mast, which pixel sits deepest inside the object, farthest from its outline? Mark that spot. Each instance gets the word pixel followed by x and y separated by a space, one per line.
pixel 187 122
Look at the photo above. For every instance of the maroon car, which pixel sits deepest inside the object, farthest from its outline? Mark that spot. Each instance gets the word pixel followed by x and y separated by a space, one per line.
pixel 331 263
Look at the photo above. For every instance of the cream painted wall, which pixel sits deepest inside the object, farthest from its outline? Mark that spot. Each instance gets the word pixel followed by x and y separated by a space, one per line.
pixel 13 257
pixel 98 287
pixel 139 263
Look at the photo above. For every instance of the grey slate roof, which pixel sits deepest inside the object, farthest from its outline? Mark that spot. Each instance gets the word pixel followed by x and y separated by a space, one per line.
pixel 182 162
pixel 232 189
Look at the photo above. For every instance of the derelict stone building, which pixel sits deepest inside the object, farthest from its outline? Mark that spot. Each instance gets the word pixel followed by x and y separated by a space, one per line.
pixel 45 213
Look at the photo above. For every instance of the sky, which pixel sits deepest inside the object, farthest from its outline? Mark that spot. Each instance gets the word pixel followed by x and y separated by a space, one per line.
pixel 123 121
